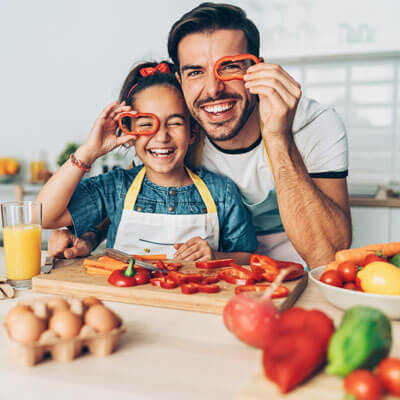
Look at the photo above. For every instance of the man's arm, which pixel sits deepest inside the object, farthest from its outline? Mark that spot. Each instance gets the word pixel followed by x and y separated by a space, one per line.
pixel 314 213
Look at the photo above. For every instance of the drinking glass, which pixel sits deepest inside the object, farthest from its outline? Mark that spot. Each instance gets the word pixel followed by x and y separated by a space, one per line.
pixel 22 234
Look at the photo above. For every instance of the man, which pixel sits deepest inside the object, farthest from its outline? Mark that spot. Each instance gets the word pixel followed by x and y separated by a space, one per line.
pixel 286 153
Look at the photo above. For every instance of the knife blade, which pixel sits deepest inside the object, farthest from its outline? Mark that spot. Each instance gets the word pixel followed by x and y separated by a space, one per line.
pixel 125 257
pixel 48 265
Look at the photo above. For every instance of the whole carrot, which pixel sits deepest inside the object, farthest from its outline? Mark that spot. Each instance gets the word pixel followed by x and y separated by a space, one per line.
pixel 358 255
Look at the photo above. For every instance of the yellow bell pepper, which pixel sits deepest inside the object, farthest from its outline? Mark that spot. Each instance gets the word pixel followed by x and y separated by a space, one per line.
pixel 381 278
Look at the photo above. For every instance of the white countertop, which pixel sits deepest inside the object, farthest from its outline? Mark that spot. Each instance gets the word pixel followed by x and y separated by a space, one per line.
pixel 165 354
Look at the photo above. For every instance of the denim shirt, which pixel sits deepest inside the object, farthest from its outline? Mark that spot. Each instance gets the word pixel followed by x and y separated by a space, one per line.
pixel 98 197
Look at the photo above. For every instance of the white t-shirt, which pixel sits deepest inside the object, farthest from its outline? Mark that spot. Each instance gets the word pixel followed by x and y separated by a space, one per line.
pixel 321 139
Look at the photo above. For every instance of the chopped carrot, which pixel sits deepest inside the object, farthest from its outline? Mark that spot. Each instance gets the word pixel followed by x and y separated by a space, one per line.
pixel 147 257
pixel 332 265
pixel 358 255
pixel 97 271
pixel 105 264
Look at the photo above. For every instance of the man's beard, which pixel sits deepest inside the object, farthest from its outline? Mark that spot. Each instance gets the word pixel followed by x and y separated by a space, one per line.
pixel 248 109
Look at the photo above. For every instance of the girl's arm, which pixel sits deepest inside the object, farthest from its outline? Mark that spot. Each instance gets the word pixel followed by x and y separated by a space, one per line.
pixel 56 193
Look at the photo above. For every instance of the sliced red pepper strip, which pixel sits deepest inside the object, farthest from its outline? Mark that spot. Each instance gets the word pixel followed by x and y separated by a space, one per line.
pixel 281 291
pixel 272 267
pixel 164 282
pixel 235 277
pixel 180 277
pixel 173 266
pixel 160 265
pixel 208 288
pixel 189 288
pixel 214 263
pixel 210 279
pixel 249 274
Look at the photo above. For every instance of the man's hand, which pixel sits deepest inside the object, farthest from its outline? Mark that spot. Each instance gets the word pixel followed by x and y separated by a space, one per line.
pixel 195 249
pixel 63 244
pixel 279 95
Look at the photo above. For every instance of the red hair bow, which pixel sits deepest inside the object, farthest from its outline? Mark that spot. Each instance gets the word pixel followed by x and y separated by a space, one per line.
pixel 148 71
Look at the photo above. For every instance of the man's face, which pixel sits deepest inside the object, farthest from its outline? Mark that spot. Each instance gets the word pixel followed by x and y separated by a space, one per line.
pixel 221 108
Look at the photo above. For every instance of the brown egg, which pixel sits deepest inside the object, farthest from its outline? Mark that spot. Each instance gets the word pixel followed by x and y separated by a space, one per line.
pixel 101 318
pixel 26 327
pixel 57 303
pixel 20 308
pixel 65 324
pixel 91 301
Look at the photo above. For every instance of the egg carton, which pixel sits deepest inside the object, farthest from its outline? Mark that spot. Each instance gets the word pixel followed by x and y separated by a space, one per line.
pixel 64 350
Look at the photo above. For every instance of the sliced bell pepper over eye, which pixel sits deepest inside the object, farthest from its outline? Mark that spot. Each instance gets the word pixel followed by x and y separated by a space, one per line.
pixel 235 277
pixel 281 291
pixel 164 282
pixel 272 267
pixel 214 263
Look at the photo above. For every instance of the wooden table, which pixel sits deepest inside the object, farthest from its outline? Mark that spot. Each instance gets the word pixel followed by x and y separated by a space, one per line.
pixel 165 354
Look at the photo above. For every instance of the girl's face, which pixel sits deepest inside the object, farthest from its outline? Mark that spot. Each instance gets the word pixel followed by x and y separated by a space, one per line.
pixel 163 153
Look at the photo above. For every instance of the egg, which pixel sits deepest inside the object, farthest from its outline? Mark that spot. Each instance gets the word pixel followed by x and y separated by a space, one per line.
pixel 101 318
pixel 15 311
pixel 26 327
pixel 91 301
pixel 57 303
pixel 65 324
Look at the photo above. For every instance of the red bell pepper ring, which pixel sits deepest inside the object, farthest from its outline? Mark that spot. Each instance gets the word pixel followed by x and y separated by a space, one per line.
pixel 210 279
pixel 233 59
pixel 180 277
pixel 248 273
pixel 190 288
pixel 131 115
pixel 173 266
pixel 124 277
pixel 214 263
pixel 161 265
pixel 235 277
pixel 281 291
pixel 164 282
pixel 272 267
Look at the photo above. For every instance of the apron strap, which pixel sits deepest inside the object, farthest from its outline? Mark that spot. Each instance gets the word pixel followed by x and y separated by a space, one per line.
pixel 133 192
pixel 204 192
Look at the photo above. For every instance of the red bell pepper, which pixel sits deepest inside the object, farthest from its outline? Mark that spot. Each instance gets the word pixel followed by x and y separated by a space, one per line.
pixel 270 268
pixel 235 277
pixel 208 288
pixel 160 265
pixel 124 277
pixel 164 282
pixel 246 272
pixel 210 279
pixel 214 263
pixel 281 291
pixel 142 276
pixel 299 347
pixel 173 266
pixel 190 288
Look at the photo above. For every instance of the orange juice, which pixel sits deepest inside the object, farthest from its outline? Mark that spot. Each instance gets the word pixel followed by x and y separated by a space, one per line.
pixel 36 168
pixel 22 245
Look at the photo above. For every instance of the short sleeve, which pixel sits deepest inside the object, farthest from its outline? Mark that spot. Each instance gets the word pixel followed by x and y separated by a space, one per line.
pixel 88 203
pixel 237 232
pixel 323 144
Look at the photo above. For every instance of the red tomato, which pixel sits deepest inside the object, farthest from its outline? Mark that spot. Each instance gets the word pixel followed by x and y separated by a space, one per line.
pixel 363 385
pixel 373 257
pixel 389 374
pixel 332 277
pixel 358 284
pixel 348 270
pixel 350 286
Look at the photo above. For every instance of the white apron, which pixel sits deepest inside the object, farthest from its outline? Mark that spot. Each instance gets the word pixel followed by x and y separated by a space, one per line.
pixel 149 233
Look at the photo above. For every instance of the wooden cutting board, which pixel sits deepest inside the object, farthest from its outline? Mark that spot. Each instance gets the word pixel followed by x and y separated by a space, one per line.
pixel 68 277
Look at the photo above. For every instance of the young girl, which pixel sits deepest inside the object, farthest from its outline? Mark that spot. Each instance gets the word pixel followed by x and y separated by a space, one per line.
pixel 162 206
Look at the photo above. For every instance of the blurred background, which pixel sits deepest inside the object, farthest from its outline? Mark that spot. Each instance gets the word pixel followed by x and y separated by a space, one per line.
pixel 62 62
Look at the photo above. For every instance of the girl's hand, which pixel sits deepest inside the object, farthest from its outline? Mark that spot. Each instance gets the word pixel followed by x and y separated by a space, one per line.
pixel 102 138
pixel 195 249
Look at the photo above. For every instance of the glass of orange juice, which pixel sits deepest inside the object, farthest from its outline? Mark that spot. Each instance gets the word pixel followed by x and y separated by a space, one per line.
pixel 22 236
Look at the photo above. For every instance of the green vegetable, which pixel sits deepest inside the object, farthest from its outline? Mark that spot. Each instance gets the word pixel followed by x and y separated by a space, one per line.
pixel 363 339
pixel 69 149
pixel 395 260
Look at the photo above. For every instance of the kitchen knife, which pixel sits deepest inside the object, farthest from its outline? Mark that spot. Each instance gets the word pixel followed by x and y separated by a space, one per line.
pixel 125 257
pixel 48 265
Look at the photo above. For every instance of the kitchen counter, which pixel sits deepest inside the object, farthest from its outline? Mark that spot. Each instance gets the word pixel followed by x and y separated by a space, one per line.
pixel 381 199
pixel 165 354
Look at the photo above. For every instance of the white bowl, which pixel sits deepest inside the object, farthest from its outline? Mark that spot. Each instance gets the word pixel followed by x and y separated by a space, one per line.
pixel 345 298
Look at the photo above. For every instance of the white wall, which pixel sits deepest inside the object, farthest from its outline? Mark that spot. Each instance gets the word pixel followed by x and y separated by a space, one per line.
pixel 63 61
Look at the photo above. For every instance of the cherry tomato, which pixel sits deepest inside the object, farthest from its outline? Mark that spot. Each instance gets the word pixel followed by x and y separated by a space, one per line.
pixel 389 374
pixel 350 286
pixel 348 270
pixel 373 257
pixel 332 277
pixel 363 385
pixel 358 284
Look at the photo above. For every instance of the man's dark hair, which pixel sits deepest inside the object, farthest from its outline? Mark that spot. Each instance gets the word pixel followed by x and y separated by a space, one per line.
pixel 208 17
